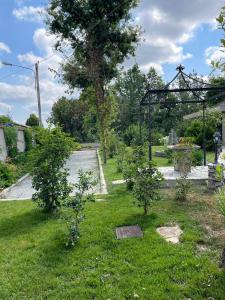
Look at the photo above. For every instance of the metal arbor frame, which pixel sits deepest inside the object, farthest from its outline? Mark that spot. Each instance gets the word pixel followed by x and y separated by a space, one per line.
pixel 154 97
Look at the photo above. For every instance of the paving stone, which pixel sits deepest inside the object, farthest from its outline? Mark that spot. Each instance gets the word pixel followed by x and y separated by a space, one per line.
pixel 128 232
pixel 170 233
pixel 118 181
pixel 100 200
pixel 85 160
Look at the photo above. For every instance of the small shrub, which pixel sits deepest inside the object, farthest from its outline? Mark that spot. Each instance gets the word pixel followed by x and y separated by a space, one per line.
pixel 147 181
pixel 197 158
pixel 157 138
pixel 133 160
pixel 121 155
pixel 7 174
pixel 132 137
pixel 169 155
pixel 112 145
pixel 183 185
pixel 75 205
pixel 49 175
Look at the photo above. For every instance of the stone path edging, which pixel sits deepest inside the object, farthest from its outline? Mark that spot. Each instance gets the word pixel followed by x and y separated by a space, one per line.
pixel 103 186
pixel 12 186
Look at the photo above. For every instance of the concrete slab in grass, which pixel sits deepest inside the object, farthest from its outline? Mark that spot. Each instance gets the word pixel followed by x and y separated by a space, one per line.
pixel 128 232
pixel 170 233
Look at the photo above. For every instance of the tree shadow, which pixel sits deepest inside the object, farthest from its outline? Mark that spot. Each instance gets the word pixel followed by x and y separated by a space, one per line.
pixel 144 221
pixel 55 252
pixel 22 223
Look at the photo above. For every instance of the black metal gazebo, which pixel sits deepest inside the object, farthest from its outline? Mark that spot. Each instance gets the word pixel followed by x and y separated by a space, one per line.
pixel 195 86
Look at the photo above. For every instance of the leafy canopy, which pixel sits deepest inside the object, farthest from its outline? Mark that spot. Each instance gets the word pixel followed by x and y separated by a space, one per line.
pixel 100 32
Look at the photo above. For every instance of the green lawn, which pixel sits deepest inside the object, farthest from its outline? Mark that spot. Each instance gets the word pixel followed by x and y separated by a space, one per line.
pixel 160 161
pixel 35 264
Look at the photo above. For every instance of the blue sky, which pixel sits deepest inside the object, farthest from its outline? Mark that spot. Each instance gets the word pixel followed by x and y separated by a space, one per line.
pixel 175 32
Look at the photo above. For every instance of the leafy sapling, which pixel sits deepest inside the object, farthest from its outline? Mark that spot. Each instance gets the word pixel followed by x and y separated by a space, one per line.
pixel 183 185
pixel 75 205
pixel 147 181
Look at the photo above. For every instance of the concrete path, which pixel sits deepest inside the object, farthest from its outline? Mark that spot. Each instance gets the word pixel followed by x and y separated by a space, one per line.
pixel 85 160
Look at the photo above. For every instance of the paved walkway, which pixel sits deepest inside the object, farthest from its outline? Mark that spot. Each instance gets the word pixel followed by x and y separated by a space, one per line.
pixel 85 160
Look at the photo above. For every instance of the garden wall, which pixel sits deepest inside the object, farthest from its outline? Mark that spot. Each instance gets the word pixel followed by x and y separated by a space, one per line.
pixel 21 145
pixel 3 149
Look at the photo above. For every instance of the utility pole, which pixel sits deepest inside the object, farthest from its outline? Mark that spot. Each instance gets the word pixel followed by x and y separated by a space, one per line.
pixel 37 85
pixel 38 94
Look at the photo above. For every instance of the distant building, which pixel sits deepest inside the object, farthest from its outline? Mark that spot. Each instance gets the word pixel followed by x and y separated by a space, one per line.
pixel 21 144
pixel 219 107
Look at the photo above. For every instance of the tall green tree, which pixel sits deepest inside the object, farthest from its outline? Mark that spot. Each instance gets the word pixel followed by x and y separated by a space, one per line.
pixel 32 121
pixel 130 87
pixel 102 36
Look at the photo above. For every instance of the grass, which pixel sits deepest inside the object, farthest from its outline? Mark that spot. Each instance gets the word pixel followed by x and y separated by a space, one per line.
pixel 35 264
pixel 163 162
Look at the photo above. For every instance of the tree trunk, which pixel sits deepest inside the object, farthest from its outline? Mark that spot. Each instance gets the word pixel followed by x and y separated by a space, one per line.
pixel 222 264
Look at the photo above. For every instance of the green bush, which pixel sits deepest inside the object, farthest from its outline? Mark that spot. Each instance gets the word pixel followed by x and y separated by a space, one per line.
pixel 194 129
pixel 197 158
pixel 11 141
pixel 7 175
pixel 28 136
pixel 157 138
pixel 121 155
pixel 49 175
pixel 133 160
pixel 132 137
pixel 112 145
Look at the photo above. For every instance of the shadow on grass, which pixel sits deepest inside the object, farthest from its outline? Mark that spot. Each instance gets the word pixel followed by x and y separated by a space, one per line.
pixel 22 223
pixel 144 221
pixel 55 252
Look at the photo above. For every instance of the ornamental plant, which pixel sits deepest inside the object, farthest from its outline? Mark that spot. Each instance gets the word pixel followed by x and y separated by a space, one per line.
pixel 133 160
pixel 49 176
pixel 147 181
pixel 183 185
pixel 75 205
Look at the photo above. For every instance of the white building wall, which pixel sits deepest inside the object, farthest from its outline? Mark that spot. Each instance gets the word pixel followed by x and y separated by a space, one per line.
pixel 21 146
pixel 3 149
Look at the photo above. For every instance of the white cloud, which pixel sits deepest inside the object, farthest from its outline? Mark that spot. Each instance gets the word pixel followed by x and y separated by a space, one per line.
pixel 168 25
pixel 30 13
pixel 5 108
pixel 51 90
pixel 214 53
pixel 4 48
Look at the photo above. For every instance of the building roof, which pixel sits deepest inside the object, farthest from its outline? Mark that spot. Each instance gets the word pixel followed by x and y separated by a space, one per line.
pixel 20 126
pixel 219 107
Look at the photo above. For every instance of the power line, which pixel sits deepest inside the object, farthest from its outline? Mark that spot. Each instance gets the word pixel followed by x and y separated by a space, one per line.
pixel 11 74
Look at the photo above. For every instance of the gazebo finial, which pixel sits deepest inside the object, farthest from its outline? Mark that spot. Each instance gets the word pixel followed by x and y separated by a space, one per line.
pixel 180 68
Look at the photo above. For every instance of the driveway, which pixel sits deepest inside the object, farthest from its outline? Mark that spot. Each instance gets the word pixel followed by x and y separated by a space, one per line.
pixel 85 160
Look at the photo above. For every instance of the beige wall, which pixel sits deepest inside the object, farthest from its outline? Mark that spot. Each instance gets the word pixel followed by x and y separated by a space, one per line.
pixel 3 149
pixel 21 146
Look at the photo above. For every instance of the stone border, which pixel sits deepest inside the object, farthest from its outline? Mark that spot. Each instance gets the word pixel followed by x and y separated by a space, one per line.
pixel 103 186
pixel 12 186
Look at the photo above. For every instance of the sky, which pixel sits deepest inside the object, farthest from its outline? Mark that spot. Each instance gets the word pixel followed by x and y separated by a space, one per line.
pixel 174 32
